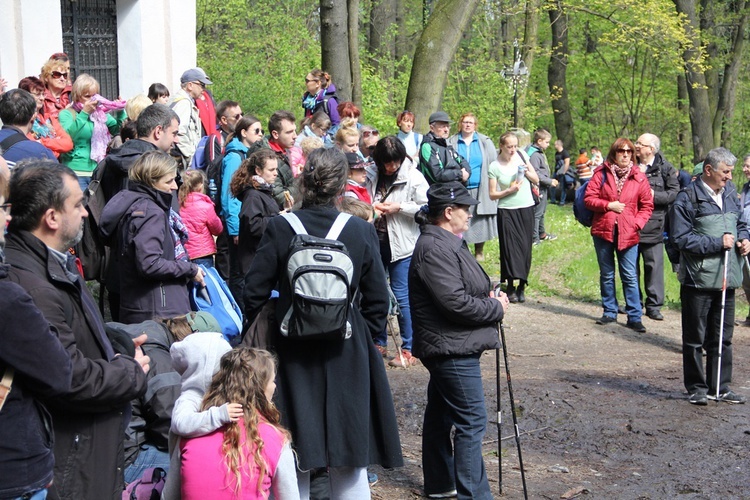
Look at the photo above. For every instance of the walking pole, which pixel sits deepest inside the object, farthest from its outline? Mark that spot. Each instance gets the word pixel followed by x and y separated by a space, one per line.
pixel 721 320
pixel 513 412
pixel 499 420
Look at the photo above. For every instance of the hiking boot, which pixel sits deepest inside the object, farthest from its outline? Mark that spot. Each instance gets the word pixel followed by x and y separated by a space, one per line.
pixel 729 397
pixel 445 494
pixel 383 350
pixel 655 315
pixel 605 320
pixel 512 297
pixel 520 295
pixel 698 398
pixel 409 360
pixel 636 326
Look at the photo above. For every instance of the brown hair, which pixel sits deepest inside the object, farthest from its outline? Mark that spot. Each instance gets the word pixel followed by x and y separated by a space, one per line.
pixel 403 116
pixel 357 208
pixel 323 77
pixel 505 137
pixel 619 143
pixel 192 181
pixel 469 115
pixel 31 84
pixel 242 178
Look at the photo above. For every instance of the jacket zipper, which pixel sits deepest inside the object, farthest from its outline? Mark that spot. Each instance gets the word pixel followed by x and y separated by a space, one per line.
pixel 163 295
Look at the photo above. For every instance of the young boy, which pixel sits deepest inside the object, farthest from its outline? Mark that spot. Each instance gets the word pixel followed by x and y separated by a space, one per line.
pixel 538 160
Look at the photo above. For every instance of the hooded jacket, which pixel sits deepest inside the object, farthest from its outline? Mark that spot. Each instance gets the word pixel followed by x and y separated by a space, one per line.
pixel 118 163
pixel 26 436
pixel 89 419
pixel 327 100
pixel 203 224
pixel 258 207
pixel 153 283
pixel 234 155
pixel 636 195
pixel 196 359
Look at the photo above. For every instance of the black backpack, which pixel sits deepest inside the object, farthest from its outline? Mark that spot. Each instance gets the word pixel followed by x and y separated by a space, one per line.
pixel 91 249
pixel 215 172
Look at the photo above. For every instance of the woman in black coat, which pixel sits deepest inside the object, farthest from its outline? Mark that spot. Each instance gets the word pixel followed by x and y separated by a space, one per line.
pixel 333 395
pixel 455 316
pixel 252 184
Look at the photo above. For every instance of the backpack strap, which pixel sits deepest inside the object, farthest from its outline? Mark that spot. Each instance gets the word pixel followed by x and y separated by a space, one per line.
pixel 294 221
pixel 338 226
pixel 11 140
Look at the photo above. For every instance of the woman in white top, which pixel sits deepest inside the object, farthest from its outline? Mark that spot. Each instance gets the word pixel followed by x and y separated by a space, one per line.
pixel 411 139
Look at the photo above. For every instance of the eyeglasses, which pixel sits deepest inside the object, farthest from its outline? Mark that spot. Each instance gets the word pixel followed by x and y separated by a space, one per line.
pixel 467 122
pixel 236 117
pixel 641 145
pixel 258 131
pixel 368 133
pixel 203 85
pixel 312 80
pixel 623 151
pixel 57 74
pixel 5 207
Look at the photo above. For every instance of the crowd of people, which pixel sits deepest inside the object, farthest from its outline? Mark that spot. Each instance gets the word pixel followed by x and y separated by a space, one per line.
pixel 190 184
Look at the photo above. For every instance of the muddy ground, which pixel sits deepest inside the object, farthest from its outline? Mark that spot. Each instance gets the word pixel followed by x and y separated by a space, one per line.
pixel 602 412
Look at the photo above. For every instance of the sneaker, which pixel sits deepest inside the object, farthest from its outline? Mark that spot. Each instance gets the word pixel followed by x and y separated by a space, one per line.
pixel 698 398
pixel 445 494
pixel 636 326
pixel 409 360
pixel 372 478
pixel 605 320
pixel 729 397
pixel 383 350
pixel 549 237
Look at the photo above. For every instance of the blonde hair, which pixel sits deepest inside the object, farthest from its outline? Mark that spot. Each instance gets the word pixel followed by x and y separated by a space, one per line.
pixel 343 133
pixel 192 181
pixel 84 82
pixel 135 105
pixel 310 144
pixel 50 66
pixel 243 375
pixel 151 167
pixel 357 208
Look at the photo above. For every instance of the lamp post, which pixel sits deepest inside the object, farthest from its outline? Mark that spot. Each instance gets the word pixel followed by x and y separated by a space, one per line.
pixel 517 76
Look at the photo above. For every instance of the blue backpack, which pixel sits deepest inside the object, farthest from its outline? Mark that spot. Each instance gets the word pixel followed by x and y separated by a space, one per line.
pixel 216 299
pixel 580 212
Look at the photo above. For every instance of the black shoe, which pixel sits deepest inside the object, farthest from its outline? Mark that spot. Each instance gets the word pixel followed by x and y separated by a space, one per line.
pixel 605 320
pixel 636 326
pixel 512 297
pixel 729 397
pixel 655 315
pixel 621 309
pixel 698 398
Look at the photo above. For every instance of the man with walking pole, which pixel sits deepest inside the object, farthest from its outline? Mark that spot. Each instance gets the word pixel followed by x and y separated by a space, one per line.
pixel 712 237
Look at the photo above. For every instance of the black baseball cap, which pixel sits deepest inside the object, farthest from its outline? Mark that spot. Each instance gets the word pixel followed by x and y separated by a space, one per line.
pixel 449 193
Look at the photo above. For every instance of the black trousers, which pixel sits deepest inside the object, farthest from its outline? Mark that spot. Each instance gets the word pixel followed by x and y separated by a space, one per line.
pixel 701 312
pixel 652 291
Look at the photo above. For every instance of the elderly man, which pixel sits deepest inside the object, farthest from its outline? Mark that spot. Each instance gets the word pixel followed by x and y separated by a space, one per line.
pixel 90 418
pixel 662 177
pixel 708 230
pixel 192 84
pixel 438 161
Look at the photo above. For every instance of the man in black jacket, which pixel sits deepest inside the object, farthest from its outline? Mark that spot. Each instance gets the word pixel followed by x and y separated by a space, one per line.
pixel 662 177
pixel 89 419
pixel 28 375
pixel 438 161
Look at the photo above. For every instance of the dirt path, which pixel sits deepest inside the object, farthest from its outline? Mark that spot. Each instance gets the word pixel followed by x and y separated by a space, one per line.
pixel 602 411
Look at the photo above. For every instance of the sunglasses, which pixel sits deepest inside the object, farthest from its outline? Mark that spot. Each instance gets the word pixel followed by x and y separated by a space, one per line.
pixel 368 133
pixel 258 131
pixel 236 117
pixel 623 151
pixel 57 74
pixel 309 81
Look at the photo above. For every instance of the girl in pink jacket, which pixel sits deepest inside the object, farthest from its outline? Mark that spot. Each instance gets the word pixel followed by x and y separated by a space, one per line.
pixel 199 215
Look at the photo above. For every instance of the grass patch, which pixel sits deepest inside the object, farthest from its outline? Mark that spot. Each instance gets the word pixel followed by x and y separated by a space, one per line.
pixel 567 267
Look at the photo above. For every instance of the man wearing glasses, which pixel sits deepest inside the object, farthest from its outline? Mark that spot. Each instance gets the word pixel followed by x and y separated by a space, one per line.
pixel 662 177
pixel 438 161
pixel 192 84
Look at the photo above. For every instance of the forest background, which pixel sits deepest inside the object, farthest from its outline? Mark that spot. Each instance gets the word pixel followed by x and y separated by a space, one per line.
pixel 597 69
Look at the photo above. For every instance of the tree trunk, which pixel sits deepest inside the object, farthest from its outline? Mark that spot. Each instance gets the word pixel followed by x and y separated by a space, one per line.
pixel 556 77
pixel 683 107
pixel 726 101
pixel 435 51
pixel 700 113
pixel 334 45
pixel 381 46
pixel 528 48
pixel 353 37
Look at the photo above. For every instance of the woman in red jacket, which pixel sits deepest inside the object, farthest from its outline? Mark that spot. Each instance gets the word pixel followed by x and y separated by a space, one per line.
pixel 622 201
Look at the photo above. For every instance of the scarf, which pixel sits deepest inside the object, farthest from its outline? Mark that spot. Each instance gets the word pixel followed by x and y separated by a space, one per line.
pixel 621 174
pixel 309 101
pixel 41 129
pixel 100 137
pixel 179 235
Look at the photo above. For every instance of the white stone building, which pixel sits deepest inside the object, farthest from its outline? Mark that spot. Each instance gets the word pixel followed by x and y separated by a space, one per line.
pixel 125 44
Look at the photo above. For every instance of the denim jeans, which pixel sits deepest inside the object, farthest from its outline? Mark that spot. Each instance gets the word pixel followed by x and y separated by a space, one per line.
pixel 345 482
pixel 455 399
pixel 627 260
pixel 84 181
pixel 148 456
pixel 207 261
pixel 34 495
pixel 399 273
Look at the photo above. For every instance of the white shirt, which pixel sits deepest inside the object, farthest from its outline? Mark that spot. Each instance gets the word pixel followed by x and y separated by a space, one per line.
pixel 717 197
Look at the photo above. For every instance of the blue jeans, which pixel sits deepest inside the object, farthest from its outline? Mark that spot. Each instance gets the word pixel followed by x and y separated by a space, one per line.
pixel 84 182
pixel 399 273
pixel 627 263
pixel 455 399
pixel 148 456
pixel 207 261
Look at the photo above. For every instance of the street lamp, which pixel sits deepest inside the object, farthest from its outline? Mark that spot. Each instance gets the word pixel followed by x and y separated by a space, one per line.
pixel 517 76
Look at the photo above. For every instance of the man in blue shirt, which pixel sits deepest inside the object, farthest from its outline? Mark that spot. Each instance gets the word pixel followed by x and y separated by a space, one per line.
pixel 17 110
